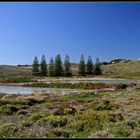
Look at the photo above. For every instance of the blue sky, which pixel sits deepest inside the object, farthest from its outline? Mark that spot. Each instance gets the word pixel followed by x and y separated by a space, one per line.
pixel 105 30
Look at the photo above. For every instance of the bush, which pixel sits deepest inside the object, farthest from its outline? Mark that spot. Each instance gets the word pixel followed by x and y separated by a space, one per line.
pixel 105 107
pixel 53 121
pixel 26 123
pixel 69 111
pixel 35 117
pixel 121 86
pixel 120 129
pixel 8 109
pixel 65 111
pixel 77 126
pixel 114 117
pixel 58 132
pixel 22 112
pixel 132 124
pixel 21 79
pixel 101 134
pixel 7 130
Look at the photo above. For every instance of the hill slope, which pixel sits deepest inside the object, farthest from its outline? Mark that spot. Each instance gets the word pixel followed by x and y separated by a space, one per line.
pixel 130 69
pixel 122 69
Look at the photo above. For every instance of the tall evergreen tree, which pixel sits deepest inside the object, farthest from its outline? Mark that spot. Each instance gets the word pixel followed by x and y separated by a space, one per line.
pixel 89 66
pixel 82 66
pixel 35 66
pixel 58 69
pixel 51 67
pixel 43 64
pixel 97 67
pixel 67 66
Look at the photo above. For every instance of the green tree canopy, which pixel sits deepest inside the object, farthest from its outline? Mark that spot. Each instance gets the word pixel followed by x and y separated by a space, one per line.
pixel 43 64
pixel 89 66
pixel 82 66
pixel 35 66
pixel 97 67
pixel 67 66
pixel 58 69
pixel 51 67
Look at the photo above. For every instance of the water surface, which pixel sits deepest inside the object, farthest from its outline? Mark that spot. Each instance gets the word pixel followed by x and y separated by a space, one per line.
pixel 33 90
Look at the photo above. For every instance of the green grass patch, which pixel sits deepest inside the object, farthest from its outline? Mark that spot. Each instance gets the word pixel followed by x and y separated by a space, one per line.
pixel 8 109
pixel 8 130
pixel 53 121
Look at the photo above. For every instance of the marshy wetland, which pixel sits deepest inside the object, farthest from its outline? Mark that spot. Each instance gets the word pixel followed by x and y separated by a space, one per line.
pixel 88 110
pixel 105 106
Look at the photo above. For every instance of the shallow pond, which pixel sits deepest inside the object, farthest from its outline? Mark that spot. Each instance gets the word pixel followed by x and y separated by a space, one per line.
pixel 31 90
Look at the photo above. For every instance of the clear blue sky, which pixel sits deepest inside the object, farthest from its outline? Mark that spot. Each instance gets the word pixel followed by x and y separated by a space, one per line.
pixel 104 30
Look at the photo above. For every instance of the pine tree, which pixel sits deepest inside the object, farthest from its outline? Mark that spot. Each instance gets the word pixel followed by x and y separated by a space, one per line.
pixel 58 69
pixel 82 66
pixel 51 67
pixel 97 67
pixel 67 66
pixel 43 64
pixel 35 66
pixel 89 66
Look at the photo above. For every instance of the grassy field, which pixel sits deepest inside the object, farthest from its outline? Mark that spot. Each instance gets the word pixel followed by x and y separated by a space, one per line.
pixel 15 74
pixel 84 115
pixel 128 70
pixel 7 71
pixel 123 69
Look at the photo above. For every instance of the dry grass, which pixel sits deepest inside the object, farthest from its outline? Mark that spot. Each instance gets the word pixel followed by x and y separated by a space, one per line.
pixel 23 99
pixel 123 69
pixel 130 69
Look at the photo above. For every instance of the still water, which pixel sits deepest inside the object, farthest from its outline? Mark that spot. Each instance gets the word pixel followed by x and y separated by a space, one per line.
pixel 31 90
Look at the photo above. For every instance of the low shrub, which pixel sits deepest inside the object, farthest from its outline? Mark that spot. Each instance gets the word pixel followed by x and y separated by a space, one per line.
pixel 8 130
pixel 15 79
pixel 36 116
pixel 22 112
pixel 53 121
pixel 101 134
pixel 120 129
pixel 65 111
pixel 80 85
pixel 8 109
pixel 59 132
pixel 26 123
pixel 105 107
pixel 69 111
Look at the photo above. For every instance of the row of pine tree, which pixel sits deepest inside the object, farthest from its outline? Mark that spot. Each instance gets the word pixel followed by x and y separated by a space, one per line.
pixel 56 68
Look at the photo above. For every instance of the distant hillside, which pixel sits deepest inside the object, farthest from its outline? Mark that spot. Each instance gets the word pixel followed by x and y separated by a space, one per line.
pixel 123 69
pixel 118 69
pixel 6 71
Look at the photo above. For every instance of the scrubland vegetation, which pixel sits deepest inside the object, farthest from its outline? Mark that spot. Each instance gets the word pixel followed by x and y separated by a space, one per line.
pixel 80 85
pixel 105 111
pixel 85 115
pixel 121 69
